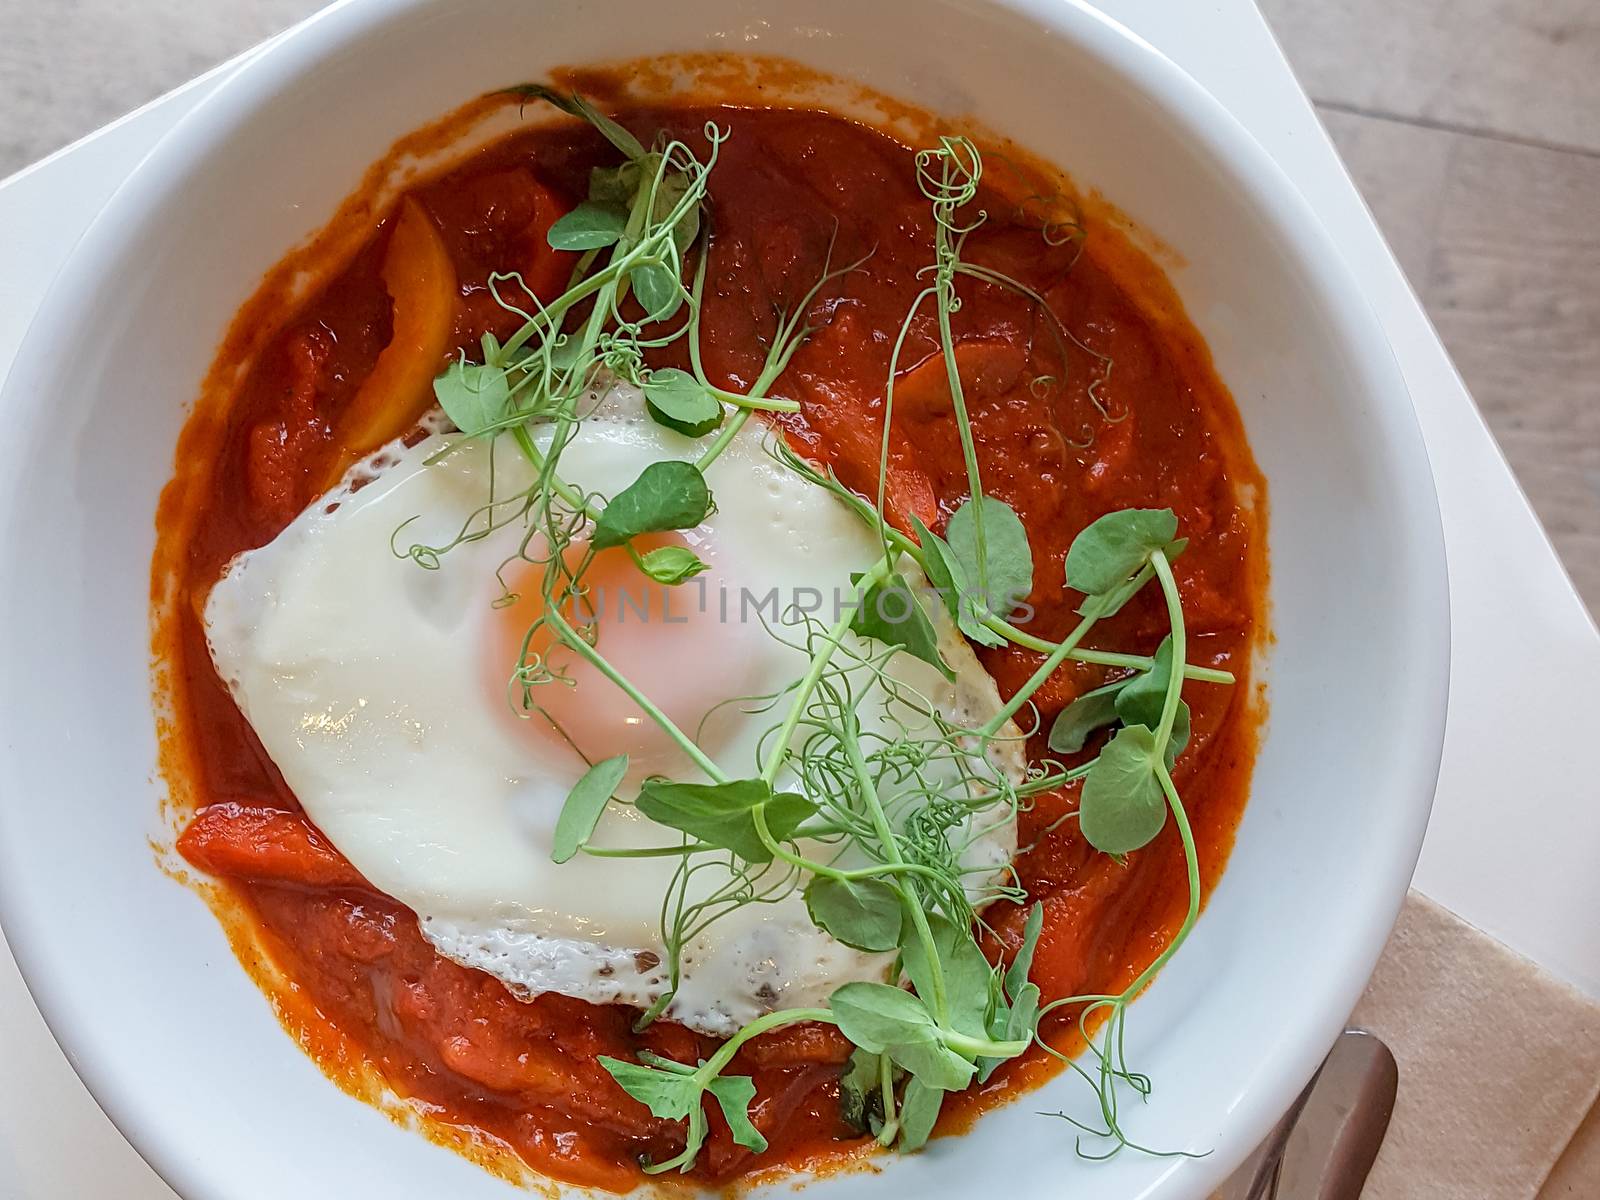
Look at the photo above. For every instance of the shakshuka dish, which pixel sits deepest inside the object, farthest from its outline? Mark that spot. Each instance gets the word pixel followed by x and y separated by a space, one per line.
pixel 711 640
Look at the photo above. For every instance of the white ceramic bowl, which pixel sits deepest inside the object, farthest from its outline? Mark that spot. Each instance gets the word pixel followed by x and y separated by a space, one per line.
pixel 131 970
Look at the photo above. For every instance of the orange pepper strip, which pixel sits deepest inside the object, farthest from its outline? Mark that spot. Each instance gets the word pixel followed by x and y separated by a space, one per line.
pixel 987 366
pixel 548 270
pixel 264 844
pixel 422 283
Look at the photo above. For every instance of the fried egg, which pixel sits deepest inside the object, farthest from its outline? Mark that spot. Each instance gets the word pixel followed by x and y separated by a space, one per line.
pixel 377 672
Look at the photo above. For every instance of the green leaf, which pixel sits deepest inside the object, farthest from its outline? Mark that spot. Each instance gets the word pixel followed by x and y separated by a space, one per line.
pixel 694 1137
pixel 672 1092
pixel 1144 695
pixel 723 814
pixel 1013 1022
pixel 675 399
pixel 862 913
pixel 1017 1014
pixel 618 185
pixel 672 565
pixel 567 352
pixel 667 495
pixel 657 288
pixel 474 396
pixel 942 570
pixel 1114 547
pixel 1109 603
pixel 1123 806
pixel 1089 712
pixel 686 230
pixel 949 579
pixel 667 1095
pixel 1021 1021
pixel 919 1110
pixel 587 800
pixel 1022 963
pixel 1024 1016
pixel 876 1016
pixel 589 226
pixel 671 191
pixel 1008 568
pixel 930 1060
pixel 1016 1022
pixel 889 1020
pixel 577 106
pixel 733 1094
pixel 861 1078
pixel 1180 734
pixel 966 972
pixel 891 613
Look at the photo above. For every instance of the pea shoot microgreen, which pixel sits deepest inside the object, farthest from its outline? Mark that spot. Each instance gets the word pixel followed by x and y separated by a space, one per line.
pixel 890 613
pixel 865 914
pixel 587 800
pixel 667 495
pixel 675 399
pixel 1078 720
pixel 744 816
pixel 672 564
pixel 992 551
pixel 870 827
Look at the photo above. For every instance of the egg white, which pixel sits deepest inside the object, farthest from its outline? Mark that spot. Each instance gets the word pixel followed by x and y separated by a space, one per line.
pixel 361 672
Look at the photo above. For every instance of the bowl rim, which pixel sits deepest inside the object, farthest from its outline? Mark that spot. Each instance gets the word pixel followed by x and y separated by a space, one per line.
pixel 1225 142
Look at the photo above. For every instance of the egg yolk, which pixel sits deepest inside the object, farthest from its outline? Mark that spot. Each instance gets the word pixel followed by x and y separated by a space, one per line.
pixel 665 640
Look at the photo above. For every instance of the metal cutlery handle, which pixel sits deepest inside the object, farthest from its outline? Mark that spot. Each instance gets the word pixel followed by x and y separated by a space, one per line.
pixel 1331 1148
pixel 1325 1145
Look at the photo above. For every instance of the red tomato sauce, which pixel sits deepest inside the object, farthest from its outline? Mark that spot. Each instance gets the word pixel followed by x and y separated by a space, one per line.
pixel 347 967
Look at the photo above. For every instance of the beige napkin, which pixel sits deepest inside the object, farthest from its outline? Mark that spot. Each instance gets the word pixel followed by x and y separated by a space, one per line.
pixel 1577 1173
pixel 1499 1068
